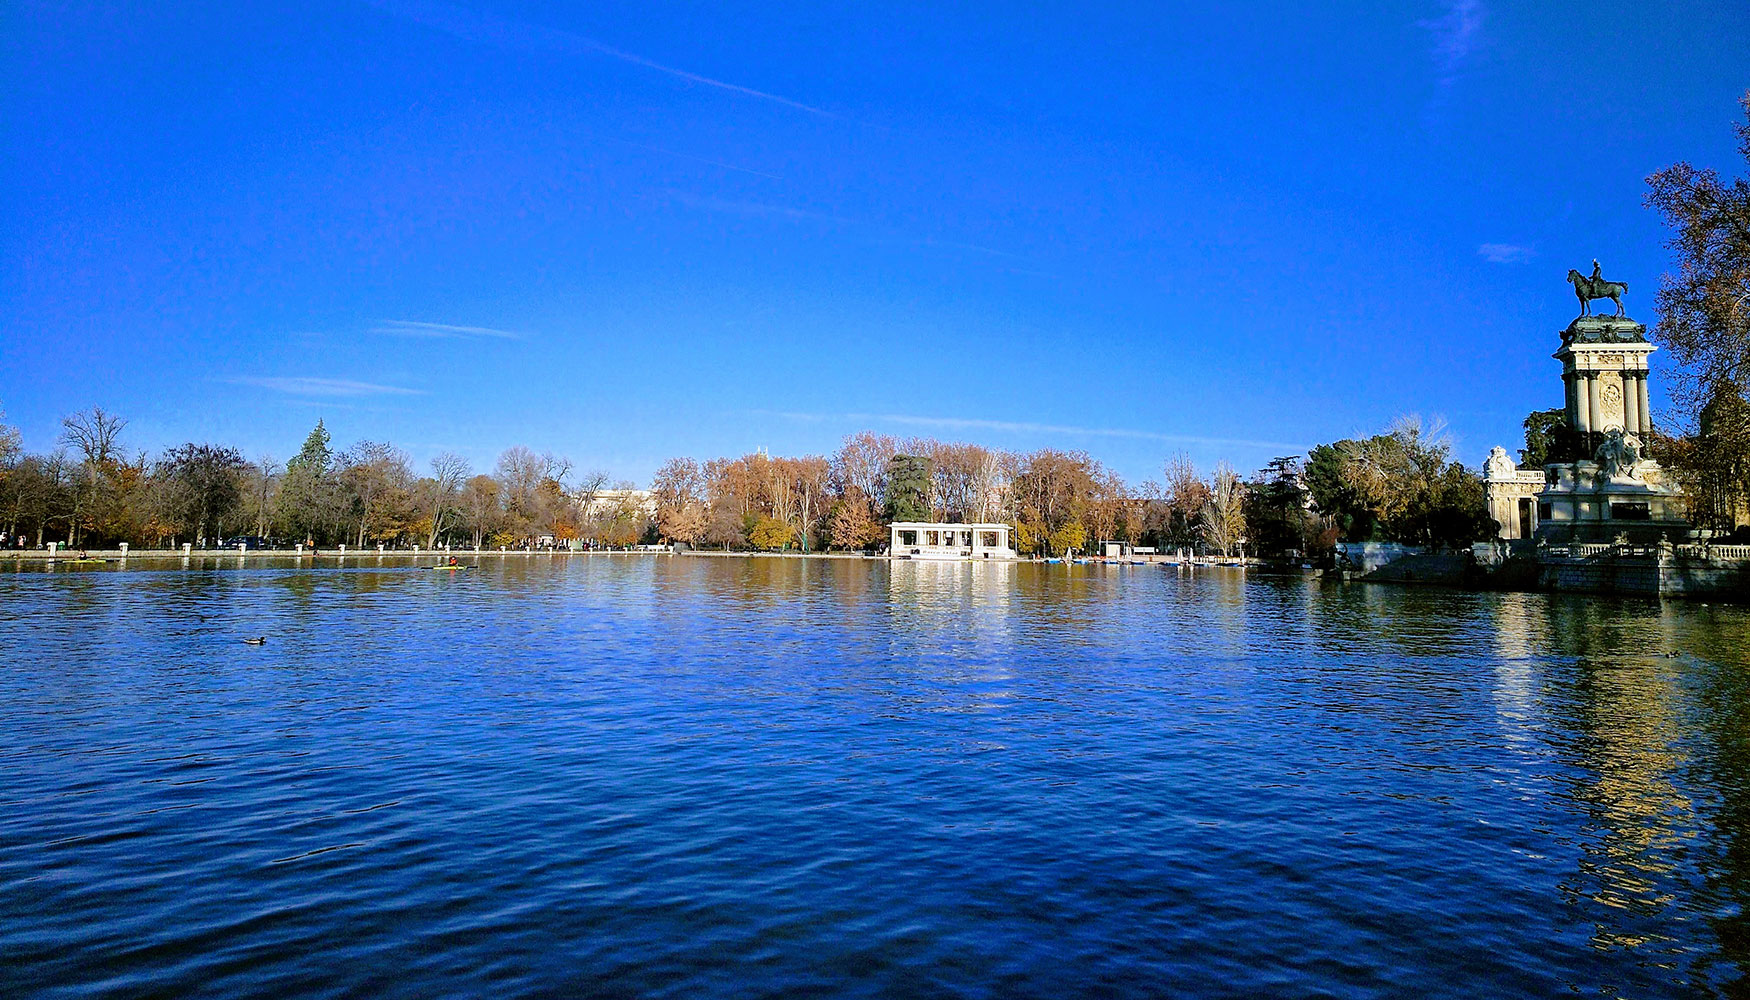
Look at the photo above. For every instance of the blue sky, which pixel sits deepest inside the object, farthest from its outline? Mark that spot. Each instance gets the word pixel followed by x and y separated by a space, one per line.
pixel 629 233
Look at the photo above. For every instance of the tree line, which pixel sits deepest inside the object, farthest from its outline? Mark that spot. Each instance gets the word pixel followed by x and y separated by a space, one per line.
pixel 93 491
pixel 1400 485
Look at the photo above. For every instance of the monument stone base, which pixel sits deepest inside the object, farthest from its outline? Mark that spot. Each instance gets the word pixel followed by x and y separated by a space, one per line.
pixel 1584 502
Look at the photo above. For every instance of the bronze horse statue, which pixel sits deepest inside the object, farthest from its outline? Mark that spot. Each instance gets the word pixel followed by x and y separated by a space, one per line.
pixel 1586 289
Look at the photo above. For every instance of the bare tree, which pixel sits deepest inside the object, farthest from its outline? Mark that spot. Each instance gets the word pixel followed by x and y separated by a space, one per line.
pixel 988 482
pixel 1223 523
pixel 962 478
pixel 377 474
pixel 448 472
pixel 11 445
pixel 807 484
pixel 589 483
pixel 861 464
pixel 480 507
pixel 263 475
pixel 1185 495
pixel 97 436
pixel 519 473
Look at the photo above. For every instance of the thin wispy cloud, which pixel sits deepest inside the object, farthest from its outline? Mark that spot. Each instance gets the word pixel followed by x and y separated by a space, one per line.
pixel 479 26
pixel 765 210
pixel 970 248
pixel 758 209
pixel 1457 36
pixel 696 159
pixel 1505 253
pixel 1021 427
pixel 338 388
pixel 448 331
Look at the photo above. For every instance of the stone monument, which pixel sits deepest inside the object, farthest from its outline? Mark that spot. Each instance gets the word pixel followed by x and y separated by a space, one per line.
pixel 1511 493
pixel 1603 487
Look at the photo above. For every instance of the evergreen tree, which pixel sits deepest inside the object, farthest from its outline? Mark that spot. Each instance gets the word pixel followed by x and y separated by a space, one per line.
pixel 1334 495
pixel 1277 516
pixel 908 488
pixel 1548 438
pixel 307 495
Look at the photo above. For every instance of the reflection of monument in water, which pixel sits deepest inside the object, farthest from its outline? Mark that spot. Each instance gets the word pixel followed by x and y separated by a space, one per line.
pixel 1573 684
pixel 967 600
pixel 1598 484
pixel 932 581
pixel 1633 711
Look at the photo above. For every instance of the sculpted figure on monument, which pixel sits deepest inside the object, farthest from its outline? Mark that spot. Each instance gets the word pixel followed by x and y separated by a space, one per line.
pixel 1499 465
pixel 1618 454
pixel 1586 289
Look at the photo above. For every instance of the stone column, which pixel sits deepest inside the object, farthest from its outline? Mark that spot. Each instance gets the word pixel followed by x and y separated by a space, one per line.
pixel 1568 400
pixel 1582 415
pixel 1628 406
pixel 1635 390
pixel 1594 416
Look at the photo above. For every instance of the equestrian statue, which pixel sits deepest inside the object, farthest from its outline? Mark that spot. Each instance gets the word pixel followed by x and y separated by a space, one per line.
pixel 1586 289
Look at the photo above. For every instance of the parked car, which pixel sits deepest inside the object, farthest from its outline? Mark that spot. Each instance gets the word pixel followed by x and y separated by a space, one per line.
pixel 248 542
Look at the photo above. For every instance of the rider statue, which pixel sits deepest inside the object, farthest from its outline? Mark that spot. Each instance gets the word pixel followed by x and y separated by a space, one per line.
pixel 1596 287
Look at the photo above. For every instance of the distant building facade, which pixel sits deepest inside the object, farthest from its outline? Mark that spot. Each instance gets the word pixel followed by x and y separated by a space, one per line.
pixel 605 502
pixel 942 540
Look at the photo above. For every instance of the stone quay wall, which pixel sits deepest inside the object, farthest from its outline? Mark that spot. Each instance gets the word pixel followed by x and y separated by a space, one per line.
pixel 1664 570
pixel 1652 570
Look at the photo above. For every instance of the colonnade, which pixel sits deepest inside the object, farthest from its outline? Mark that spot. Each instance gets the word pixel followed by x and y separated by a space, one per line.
pixel 1586 414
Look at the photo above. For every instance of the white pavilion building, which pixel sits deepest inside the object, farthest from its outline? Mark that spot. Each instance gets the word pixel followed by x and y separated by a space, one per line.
pixel 941 540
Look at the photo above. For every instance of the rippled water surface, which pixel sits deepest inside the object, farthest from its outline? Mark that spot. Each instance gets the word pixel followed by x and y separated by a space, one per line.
pixel 764 777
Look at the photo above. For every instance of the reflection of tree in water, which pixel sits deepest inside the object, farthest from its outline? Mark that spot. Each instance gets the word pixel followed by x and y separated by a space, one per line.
pixel 1716 644
pixel 770 585
pixel 712 596
pixel 1639 728
pixel 1409 621
pixel 1407 658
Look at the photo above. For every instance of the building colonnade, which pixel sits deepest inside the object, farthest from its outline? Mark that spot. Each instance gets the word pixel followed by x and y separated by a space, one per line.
pixel 1585 410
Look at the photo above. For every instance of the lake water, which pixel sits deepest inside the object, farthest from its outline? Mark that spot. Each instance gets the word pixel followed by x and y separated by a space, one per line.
pixel 698 777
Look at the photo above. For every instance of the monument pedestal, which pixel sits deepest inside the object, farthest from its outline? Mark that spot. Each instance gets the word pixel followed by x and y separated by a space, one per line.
pixel 1591 501
pixel 1604 375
